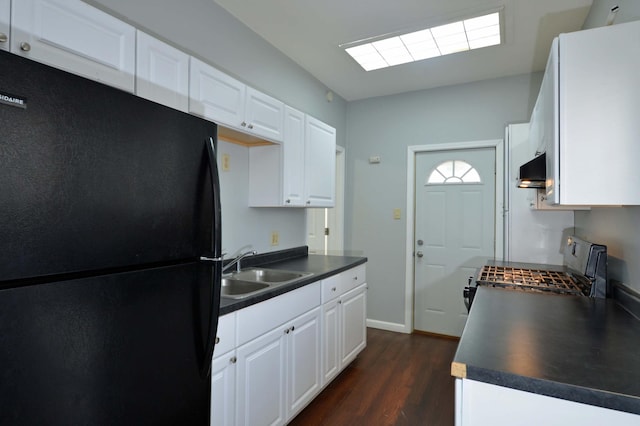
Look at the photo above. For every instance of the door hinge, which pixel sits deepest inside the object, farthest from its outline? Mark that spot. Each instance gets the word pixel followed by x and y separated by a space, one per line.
pixel 326 231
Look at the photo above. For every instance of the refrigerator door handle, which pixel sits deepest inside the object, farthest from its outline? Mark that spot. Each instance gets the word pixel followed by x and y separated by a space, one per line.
pixel 215 256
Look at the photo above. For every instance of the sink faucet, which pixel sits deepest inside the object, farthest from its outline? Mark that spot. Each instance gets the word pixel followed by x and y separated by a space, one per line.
pixel 237 259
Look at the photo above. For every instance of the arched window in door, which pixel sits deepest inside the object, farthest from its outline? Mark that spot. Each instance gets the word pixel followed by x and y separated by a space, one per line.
pixel 453 172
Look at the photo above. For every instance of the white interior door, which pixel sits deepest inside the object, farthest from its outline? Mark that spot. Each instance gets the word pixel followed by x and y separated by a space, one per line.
pixel 454 232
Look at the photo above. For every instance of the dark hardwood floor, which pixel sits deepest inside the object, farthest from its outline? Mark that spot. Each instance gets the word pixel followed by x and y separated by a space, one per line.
pixel 399 379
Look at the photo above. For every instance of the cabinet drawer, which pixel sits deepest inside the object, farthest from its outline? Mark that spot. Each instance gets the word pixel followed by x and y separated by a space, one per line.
pixel 226 334
pixel 352 278
pixel 258 319
pixel 331 288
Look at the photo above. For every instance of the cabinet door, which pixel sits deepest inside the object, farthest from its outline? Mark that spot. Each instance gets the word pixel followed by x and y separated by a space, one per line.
pixel 330 341
pixel 303 361
pixel 73 36
pixel 216 96
pixel 264 115
pixel 162 73
pixel 5 19
pixel 223 389
pixel 354 323
pixel 293 157
pixel 320 163
pixel 260 393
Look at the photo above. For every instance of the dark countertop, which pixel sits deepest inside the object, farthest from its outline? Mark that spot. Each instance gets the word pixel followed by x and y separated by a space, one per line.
pixel 574 348
pixel 291 260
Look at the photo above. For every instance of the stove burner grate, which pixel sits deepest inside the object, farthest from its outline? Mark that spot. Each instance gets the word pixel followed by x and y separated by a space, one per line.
pixel 531 279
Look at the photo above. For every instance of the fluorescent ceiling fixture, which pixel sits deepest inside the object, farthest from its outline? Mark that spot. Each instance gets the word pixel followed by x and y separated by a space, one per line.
pixel 473 33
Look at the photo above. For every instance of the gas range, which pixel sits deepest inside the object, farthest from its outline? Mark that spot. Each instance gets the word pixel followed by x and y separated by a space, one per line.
pixel 583 273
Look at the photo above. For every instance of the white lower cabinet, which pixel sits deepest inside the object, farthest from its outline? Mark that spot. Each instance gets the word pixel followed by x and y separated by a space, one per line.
pixel 344 320
pixel 279 372
pixel 274 357
pixel 223 389
pixel 479 403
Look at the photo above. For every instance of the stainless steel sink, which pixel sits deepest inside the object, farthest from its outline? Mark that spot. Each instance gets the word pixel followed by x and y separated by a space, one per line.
pixel 237 289
pixel 252 281
pixel 265 275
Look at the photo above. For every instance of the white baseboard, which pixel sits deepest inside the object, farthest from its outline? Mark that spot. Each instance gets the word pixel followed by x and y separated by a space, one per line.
pixel 389 326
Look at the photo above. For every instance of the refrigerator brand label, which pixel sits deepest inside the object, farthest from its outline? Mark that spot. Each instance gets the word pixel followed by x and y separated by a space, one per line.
pixel 12 100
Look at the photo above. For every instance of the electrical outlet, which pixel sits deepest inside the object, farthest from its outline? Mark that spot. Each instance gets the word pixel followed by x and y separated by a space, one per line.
pixel 226 162
pixel 397 214
pixel 275 238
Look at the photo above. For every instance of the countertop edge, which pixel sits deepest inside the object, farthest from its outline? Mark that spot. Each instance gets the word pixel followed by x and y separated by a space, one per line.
pixel 596 397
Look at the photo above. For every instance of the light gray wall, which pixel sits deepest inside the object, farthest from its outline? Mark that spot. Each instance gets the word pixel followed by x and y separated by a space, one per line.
pixel 242 225
pixel 617 227
pixel 386 126
pixel 205 30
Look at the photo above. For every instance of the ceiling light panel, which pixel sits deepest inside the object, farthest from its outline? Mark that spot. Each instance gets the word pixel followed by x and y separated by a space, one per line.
pixel 473 33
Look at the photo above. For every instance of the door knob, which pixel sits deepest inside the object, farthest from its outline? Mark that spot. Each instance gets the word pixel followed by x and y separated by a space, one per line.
pixel 419 254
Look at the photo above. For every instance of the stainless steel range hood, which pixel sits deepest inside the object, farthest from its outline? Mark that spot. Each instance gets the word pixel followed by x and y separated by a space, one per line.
pixel 534 173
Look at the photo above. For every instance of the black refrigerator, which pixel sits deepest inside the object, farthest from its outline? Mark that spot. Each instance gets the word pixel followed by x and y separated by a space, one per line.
pixel 109 254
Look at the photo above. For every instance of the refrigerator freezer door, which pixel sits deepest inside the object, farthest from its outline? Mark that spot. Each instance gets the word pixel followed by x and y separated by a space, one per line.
pixel 94 178
pixel 117 349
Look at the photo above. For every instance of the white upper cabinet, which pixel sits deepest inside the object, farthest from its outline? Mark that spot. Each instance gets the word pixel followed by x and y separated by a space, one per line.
pixel 298 173
pixel 162 73
pixel 227 101
pixel 293 163
pixel 320 163
pixel 5 19
pixel 586 117
pixel 264 115
pixel 214 95
pixel 75 37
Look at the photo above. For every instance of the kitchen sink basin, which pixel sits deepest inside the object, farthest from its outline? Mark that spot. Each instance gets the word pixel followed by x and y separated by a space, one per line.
pixel 269 275
pixel 237 289
pixel 252 281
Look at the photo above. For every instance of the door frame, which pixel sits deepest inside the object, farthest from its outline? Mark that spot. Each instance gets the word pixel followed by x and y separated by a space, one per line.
pixel 412 151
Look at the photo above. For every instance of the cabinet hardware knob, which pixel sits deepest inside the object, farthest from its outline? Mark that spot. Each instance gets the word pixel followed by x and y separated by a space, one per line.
pixel 333 289
pixel 243 124
pixel 288 201
pixel 355 278
pixel 233 360
pixel 3 38
pixel 25 47
pixel 217 340
pixel 308 201
pixel 250 126
pixel 419 254
pixel 293 327
pixel 287 331
pixel 340 302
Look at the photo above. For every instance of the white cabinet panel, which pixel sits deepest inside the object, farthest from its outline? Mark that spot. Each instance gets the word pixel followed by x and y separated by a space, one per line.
pixel 5 20
pixel 223 390
pixel 303 361
pixel 320 163
pixel 479 403
pixel 214 95
pixel 226 335
pixel 261 385
pixel 331 340
pixel 75 37
pixel 293 165
pixel 354 323
pixel 264 115
pixel 162 73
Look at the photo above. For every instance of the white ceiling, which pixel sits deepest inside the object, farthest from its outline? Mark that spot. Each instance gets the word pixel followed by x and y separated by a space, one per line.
pixel 310 31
